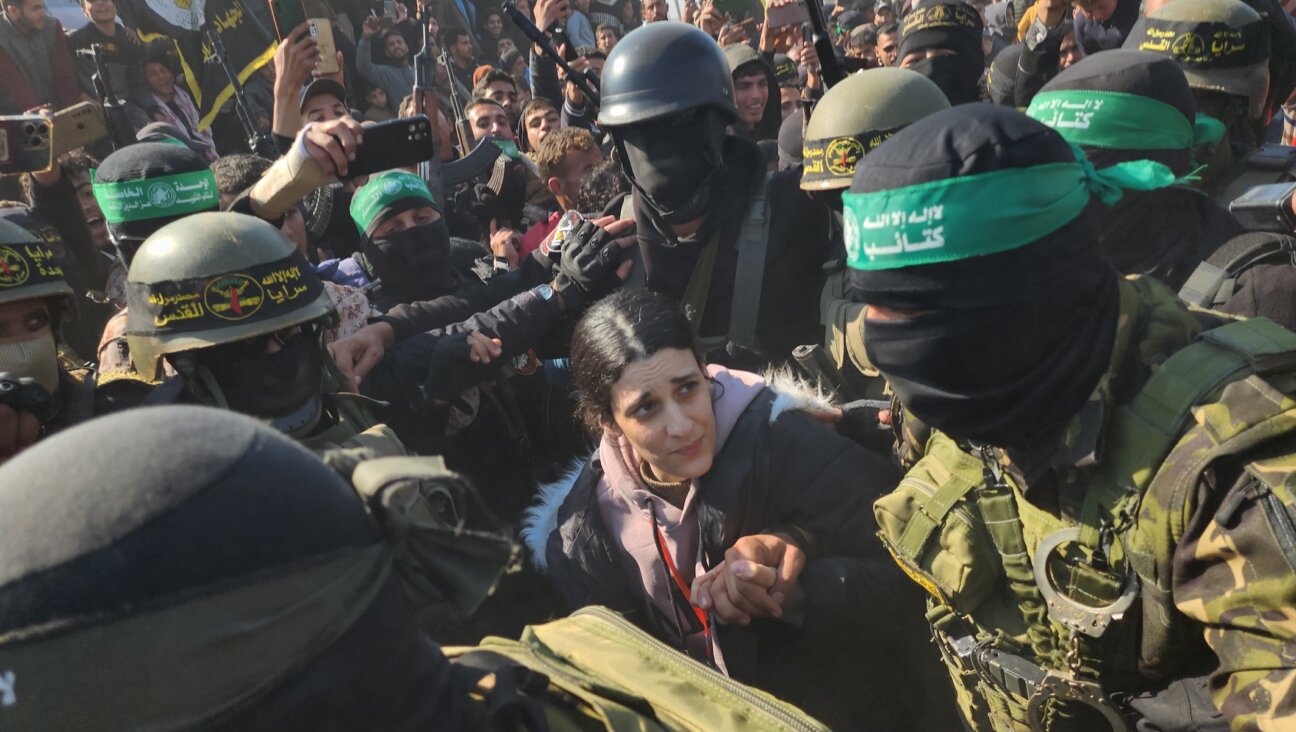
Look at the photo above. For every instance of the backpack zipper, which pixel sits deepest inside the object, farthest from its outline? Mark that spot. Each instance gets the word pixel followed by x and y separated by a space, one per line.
pixel 604 622
pixel 1279 520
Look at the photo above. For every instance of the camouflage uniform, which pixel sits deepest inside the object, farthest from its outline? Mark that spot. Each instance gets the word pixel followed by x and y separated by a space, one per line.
pixel 1210 537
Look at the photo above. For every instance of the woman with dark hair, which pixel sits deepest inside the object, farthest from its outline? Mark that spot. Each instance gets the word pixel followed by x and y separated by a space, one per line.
pixel 722 517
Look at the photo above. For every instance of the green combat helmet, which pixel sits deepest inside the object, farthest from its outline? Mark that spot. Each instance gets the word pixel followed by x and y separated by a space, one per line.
pixel 28 268
pixel 1222 46
pixel 856 116
pixel 238 312
pixel 216 278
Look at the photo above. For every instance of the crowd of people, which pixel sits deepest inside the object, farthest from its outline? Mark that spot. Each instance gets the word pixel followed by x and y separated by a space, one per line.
pixel 924 365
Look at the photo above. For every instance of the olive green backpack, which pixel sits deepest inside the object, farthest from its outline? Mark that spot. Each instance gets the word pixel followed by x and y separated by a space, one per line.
pixel 594 670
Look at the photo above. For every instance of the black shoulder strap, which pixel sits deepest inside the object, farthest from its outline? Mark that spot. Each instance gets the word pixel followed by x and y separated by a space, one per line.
pixel 1213 282
pixel 753 246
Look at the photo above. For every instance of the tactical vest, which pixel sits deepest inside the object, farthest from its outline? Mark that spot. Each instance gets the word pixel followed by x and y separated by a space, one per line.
pixel 1044 621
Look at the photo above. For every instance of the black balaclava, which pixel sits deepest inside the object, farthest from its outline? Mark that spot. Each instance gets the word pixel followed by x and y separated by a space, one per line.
pixel 267 385
pixel 675 163
pixel 1158 232
pixel 228 504
pixel 1143 73
pixel 951 26
pixel 1014 342
pixel 145 160
pixel 413 264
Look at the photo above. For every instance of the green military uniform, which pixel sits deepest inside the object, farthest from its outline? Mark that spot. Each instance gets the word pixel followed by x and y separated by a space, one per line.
pixel 214 279
pixel 940 524
pixel 1104 522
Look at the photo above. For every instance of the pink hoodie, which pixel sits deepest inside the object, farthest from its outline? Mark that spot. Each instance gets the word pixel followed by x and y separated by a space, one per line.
pixel 625 502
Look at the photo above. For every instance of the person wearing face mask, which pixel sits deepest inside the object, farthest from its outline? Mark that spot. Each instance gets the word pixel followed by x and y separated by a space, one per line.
pixel 405 255
pixel 238 313
pixel 854 117
pixel 1082 516
pixel 942 41
pixel 741 251
pixel 42 393
pixel 1138 106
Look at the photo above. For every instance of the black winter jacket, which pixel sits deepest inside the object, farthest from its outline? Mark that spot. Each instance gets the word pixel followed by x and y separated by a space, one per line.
pixel 850 663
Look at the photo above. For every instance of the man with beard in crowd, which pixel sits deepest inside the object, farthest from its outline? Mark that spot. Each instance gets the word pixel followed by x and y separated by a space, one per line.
pixel 35 60
pixel 942 41
pixel 742 255
pixel 396 75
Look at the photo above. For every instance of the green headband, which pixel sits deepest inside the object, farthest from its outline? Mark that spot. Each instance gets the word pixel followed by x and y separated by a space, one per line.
pixel 975 215
pixel 156 198
pixel 382 191
pixel 187 664
pixel 1121 121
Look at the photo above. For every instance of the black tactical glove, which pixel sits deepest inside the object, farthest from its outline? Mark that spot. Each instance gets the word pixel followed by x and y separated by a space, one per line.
pixel 587 270
pixel 27 395
pixel 452 369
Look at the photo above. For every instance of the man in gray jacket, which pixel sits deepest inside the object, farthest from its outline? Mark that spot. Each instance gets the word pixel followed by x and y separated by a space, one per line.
pixel 396 76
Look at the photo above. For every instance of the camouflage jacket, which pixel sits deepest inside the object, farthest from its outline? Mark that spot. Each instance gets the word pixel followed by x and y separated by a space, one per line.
pixel 1211 538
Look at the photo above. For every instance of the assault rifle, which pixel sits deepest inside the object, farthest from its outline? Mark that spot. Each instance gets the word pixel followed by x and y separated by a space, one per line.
pixel 538 37
pixel 258 141
pixel 114 110
pixel 823 45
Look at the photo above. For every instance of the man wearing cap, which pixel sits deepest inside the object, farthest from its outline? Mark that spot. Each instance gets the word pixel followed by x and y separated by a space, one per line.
pixel 1082 515
pixel 942 41
pixel 756 93
pixel 322 100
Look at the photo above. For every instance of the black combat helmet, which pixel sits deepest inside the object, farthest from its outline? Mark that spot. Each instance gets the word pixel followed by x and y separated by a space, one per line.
pixel 663 69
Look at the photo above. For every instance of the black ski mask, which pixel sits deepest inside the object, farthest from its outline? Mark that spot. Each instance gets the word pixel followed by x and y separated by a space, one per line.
pixel 1003 347
pixel 413 264
pixel 263 384
pixel 675 163
pixel 951 27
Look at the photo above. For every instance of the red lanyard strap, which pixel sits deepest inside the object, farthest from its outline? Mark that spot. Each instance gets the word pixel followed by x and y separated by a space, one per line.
pixel 700 614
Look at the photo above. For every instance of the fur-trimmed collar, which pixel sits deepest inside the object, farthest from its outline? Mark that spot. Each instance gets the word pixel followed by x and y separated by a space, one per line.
pixel 792 394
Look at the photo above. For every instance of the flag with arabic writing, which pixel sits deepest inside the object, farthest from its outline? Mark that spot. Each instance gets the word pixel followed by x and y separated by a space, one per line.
pixel 247 42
